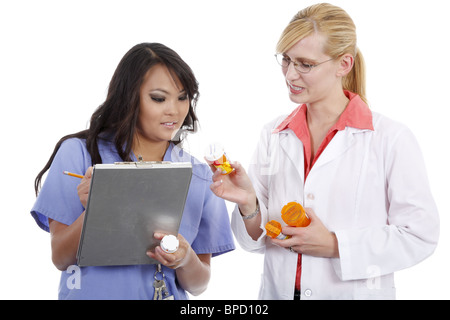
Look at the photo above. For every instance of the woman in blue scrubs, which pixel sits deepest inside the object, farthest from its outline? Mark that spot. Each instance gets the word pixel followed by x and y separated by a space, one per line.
pixel 149 109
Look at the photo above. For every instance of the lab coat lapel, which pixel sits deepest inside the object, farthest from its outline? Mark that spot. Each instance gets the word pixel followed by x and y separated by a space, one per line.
pixel 292 147
pixel 341 143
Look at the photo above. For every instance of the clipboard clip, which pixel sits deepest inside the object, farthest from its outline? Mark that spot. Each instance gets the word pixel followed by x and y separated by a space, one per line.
pixel 141 163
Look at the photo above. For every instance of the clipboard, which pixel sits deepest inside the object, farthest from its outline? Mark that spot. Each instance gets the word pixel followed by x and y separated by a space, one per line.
pixel 128 202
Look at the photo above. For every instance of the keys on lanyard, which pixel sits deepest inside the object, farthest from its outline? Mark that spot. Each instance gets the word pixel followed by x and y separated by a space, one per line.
pixel 161 291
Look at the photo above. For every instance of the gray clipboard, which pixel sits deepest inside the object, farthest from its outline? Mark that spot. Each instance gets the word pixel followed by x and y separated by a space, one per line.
pixel 128 202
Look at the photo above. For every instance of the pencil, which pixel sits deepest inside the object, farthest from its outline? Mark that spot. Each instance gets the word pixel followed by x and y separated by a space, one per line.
pixel 73 174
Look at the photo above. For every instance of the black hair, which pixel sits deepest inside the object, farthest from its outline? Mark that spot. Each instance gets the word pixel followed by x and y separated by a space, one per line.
pixel 118 115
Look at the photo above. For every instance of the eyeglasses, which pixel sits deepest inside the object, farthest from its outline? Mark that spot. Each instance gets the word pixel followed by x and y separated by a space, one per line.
pixel 301 67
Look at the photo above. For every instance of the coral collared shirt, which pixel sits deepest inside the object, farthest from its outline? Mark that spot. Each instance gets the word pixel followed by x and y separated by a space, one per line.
pixel 357 115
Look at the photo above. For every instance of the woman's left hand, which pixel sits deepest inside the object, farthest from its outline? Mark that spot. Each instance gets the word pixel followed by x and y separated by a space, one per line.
pixel 314 240
pixel 172 260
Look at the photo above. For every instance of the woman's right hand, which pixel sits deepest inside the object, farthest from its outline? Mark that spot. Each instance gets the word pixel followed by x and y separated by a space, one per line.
pixel 235 187
pixel 84 186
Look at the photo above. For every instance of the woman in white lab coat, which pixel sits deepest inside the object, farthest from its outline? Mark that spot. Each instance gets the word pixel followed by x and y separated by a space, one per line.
pixel 360 176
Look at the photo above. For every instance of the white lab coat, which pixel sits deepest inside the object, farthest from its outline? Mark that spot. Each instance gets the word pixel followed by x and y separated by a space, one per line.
pixel 368 187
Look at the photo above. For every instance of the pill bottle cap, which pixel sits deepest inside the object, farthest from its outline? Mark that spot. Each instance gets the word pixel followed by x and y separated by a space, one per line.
pixel 214 152
pixel 273 230
pixel 169 243
pixel 295 215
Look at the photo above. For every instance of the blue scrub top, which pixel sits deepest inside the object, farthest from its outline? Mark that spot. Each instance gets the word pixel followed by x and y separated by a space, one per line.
pixel 205 224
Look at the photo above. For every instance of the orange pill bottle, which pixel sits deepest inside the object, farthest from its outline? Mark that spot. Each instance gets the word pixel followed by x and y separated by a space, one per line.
pixel 273 230
pixel 295 215
pixel 215 154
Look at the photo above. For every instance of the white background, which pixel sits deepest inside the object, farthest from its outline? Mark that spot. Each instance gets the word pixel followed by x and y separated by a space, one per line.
pixel 57 58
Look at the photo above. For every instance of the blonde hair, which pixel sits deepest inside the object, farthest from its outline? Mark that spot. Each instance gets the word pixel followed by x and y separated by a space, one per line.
pixel 340 31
